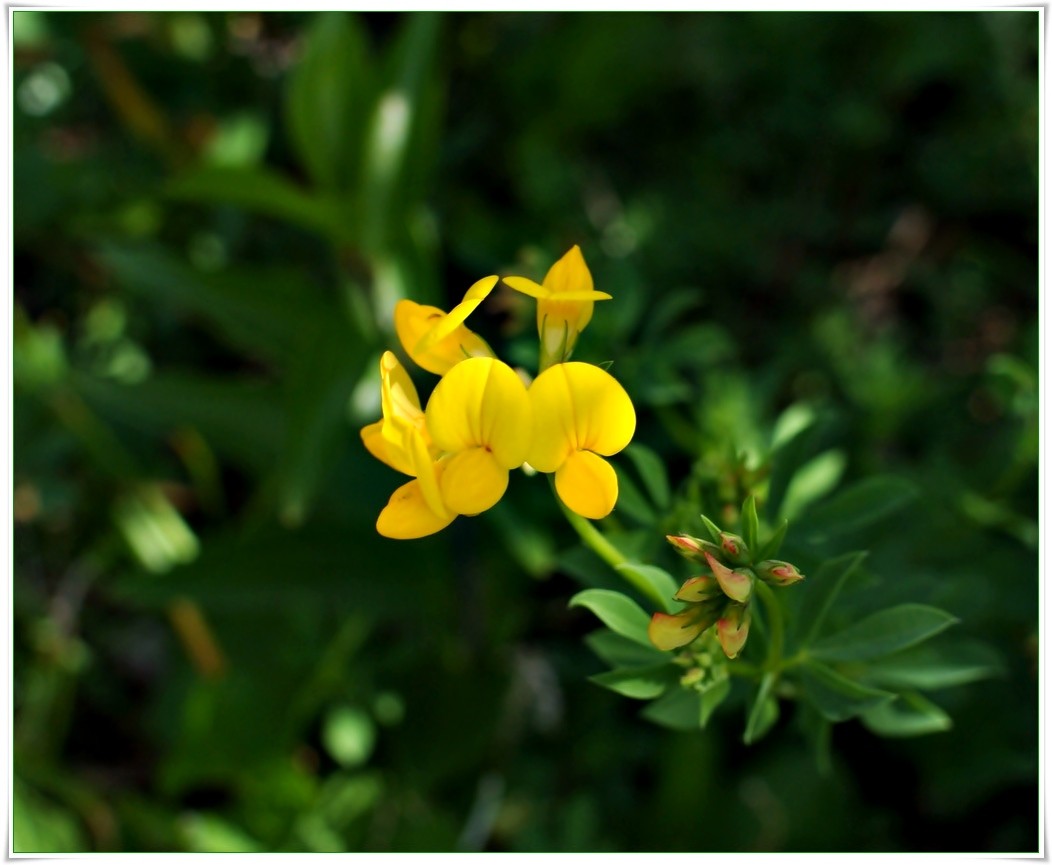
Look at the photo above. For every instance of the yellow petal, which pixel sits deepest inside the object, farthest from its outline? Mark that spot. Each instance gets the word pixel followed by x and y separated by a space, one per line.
pixel 587 484
pixel 578 406
pixel 379 447
pixel 472 481
pixel 736 586
pixel 569 273
pixel 407 515
pixel 398 395
pixel 670 632
pixel 426 470
pixel 481 403
pixel 697 589
pixel 526 286
pixel 413 321
pixel 458 314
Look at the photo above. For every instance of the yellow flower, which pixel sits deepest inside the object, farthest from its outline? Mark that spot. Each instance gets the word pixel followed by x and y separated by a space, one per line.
pixel 479 419
pixel 580 415
pixel 385 439
pixel 564 304
pixel 436 340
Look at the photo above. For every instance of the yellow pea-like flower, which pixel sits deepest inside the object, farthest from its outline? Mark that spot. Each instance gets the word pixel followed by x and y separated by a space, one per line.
pixel 400 404
pixel 479 419
pixel 436 340
pixel 564 304
pixel 580 415
pixel 480 416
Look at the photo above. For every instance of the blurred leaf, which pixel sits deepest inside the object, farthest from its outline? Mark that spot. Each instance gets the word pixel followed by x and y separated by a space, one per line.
pixel 868 501
pixel 764 711
pixel 618 612
pixel 774 542
pixel 39 826
pixel 751 526
pixel 811 438
pixel 329 95
pixel 348 735
pixel 620 651
pixel 652 470
pixel 821 591
pixel 931 667
pixel 836 697
pixel 264 191
pixel 812 481
pixel 883 633
pixel 662 581
pixel 399 150
pixel 639 683
pixel 631 501
pixel 209 833
pixel 910 715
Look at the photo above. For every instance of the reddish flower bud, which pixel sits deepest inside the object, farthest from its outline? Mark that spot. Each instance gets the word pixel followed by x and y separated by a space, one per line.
pixel 733 547
pixel 736 586
pixel 778 573
pixel 732 630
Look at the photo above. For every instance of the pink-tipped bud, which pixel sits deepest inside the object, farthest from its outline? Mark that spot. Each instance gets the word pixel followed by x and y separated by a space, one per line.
pixel 736 585
pixel 733 548
pixel 690 547
pixel 732 630
pixel 778 573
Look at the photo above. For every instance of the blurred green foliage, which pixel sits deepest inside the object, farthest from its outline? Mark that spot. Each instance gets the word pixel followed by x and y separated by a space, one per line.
pixel 821 234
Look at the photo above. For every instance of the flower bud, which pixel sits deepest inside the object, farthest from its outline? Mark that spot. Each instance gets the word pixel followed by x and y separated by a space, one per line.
pixel 778 573
pixel 732 629
pixel 691 548
pixel 736 585
pixel 733 548
pixel 669 632
pixel 698 589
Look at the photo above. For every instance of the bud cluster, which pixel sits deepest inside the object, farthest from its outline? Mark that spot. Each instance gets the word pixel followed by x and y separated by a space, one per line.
pixel 721 595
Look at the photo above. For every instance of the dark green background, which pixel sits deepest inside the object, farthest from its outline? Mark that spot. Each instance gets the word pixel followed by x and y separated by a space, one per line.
pixel 833 210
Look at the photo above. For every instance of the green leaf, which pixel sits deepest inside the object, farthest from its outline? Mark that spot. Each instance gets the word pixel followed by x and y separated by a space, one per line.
pixel 620 651
pixel 263 191
pixel 630 500
pixel 208 833
pixel 764 711
pixel 774 543
pixel 712 528
pixel 750 525
pixel 821 591
pixel 618 612
pixel 910 715
pixel 836 697
pixel 711 698
pixel 652 470
pixel 680 709
pixel 806 435
pixel 330 93
pixel 930 668
pixel 861 505
pixel 639 683
pixel 662 582
pixel 815 479
pixel 883 633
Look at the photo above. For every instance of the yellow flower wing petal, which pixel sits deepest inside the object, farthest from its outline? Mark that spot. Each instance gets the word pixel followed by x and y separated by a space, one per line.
pixel 472 481
pixel 580 296
pixel 391 455
pixel 408 515
pixel 578 406
pixel 587 484
pixel 412 323
pixel 445 326
pixel 481 403
pixel 526 286
pixel 569 273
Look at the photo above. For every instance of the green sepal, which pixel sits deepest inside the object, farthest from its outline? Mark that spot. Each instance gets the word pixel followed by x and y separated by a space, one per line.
pixel 713 529
pixel 750 523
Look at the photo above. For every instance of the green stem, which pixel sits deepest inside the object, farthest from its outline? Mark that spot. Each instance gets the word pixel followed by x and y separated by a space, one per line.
pixel 610 554
pixel 776 624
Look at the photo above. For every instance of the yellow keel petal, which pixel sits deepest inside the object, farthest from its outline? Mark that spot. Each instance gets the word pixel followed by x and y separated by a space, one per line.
pixel 587 484
pixel 408 515
pixel 472 482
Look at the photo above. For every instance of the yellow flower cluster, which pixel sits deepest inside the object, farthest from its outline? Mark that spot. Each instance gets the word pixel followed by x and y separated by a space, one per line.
pixel 482 420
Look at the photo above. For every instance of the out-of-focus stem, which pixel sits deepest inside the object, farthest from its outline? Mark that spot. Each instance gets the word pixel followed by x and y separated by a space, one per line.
pixel 776 624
